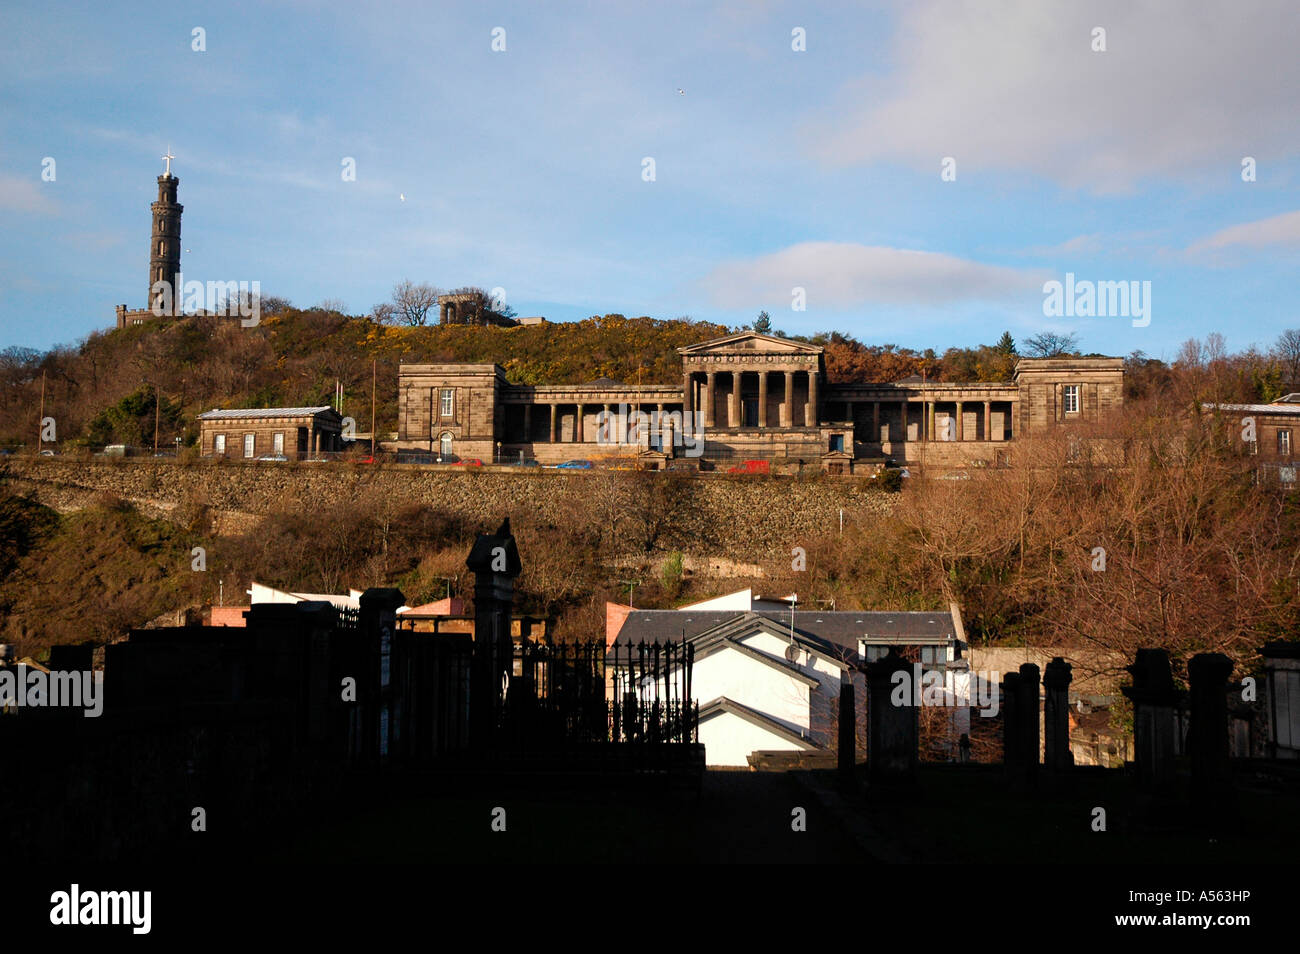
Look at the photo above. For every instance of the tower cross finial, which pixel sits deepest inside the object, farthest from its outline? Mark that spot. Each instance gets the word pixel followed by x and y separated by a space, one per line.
pixel 169 157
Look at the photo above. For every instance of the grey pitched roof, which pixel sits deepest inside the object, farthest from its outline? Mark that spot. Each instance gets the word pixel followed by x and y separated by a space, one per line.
pixel 220 414
pixel 838 629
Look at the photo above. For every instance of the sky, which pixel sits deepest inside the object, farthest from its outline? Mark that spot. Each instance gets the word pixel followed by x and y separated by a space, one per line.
pixel 911 173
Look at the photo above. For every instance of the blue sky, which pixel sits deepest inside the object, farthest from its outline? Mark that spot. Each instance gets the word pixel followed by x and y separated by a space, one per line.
pixel 775 169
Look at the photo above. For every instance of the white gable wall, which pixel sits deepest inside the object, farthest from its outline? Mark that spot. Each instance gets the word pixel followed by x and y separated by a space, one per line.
pixel 729 672
pixel 728 739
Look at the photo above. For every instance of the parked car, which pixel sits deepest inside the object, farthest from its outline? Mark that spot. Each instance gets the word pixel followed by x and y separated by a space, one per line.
pixel 527 462
pixel 903 471
pixel 277 458
pixel 49 453
pixel 469 462
pixel 575 465
pixel 752 467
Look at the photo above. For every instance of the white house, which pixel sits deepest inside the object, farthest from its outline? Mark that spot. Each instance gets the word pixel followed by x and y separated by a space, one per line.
pixel 769 679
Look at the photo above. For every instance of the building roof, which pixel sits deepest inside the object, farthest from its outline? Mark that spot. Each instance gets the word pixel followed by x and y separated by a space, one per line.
pixel 751 341
pixel 221 414
pixel 831 629
pixel 1279 408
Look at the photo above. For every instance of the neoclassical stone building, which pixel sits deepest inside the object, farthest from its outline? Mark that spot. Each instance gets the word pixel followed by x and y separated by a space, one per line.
pixel 747 396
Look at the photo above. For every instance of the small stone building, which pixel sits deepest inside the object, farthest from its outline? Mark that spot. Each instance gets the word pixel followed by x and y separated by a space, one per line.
pixel 249 433
pixel 1269 432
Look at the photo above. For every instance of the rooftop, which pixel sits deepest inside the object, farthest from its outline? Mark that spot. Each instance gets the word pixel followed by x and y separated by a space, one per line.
pixel 218 414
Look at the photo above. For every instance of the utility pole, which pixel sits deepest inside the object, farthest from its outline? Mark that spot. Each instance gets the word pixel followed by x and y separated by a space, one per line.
pixel 40 423
pixel 155 420
pixel 374 362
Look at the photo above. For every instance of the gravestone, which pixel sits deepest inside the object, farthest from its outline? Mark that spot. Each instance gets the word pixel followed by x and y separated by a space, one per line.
pixel 892 720
pixel 1056 716
pixel 1154 699
pixel 1207 735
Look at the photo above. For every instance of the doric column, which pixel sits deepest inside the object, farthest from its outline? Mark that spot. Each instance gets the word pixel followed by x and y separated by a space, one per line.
pixel 762 399
pixel 988 420
pixel 875 421
pixel 553 411
pixel 687 396
pixel 733 414
pixel 810 417
pixel 528 422
pixel 959 432
pixel 578 434
pixel 787 401
pixel 709 394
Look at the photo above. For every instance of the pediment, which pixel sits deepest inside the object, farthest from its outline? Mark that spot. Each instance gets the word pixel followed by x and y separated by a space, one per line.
pixel 750 342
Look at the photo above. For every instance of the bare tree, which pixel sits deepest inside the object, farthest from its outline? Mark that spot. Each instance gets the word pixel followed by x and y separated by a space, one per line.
pixel 1287 353
pixel 410 305
pixel 1051 344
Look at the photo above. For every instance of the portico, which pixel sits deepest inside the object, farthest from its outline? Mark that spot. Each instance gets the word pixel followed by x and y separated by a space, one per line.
pixel 749 396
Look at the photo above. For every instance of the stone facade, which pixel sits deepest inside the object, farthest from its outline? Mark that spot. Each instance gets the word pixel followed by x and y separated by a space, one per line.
pixel 297 433
pixel 749 397
pixel 1269 432
pixel 463 308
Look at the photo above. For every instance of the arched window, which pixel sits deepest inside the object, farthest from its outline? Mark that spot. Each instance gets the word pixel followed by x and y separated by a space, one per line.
pixel 444 446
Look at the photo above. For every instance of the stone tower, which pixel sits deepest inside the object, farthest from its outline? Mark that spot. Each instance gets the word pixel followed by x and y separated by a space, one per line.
pixel 165 245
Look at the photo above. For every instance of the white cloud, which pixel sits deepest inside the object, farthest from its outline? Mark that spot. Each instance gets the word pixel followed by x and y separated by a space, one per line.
pixel 25 195
pixel 845 274
pixel 1183 90
pixel 1281 229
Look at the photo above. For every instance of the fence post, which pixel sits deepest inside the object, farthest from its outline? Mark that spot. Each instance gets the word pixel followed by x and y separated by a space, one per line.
pixel 848 730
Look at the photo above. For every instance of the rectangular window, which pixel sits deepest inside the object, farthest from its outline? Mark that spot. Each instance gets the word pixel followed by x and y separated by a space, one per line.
pixel 1284 443
pixel 448 402
pixel 1071 399
pixel 248 445
pixel 219 444
pixel 277 443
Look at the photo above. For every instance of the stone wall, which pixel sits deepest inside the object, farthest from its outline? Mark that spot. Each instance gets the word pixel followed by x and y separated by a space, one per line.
pixel 735 516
